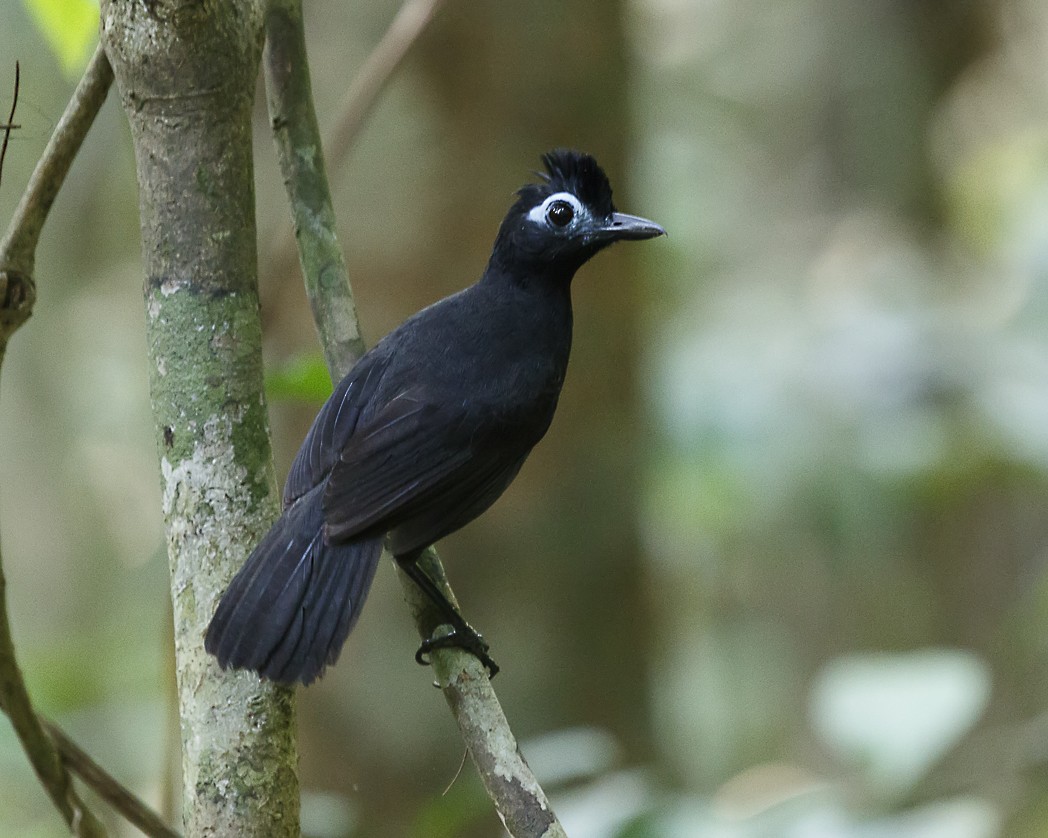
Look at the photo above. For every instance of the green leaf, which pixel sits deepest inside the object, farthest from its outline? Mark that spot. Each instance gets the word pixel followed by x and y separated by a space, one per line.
pixel 70 28
pixel 304 378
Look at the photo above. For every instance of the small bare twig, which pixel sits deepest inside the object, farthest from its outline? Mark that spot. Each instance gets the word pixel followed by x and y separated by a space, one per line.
pixel 18 246
pixel 9 126
pixel 410 22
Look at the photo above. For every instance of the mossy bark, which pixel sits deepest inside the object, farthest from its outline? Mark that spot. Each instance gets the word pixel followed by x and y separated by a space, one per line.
pixel 186 73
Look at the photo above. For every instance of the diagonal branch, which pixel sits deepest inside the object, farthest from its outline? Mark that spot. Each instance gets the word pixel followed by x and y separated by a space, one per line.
pixel 294 123
pixel 17 294
pixel 517 796
pixel 410 22
pixel 18 246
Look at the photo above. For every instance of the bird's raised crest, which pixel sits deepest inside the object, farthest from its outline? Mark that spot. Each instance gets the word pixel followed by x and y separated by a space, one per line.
pixel 576 172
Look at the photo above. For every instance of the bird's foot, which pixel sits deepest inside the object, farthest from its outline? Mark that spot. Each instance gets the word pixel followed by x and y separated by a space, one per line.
pixel 466 638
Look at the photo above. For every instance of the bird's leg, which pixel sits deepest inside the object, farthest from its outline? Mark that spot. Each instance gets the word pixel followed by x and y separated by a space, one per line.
pixel 462 635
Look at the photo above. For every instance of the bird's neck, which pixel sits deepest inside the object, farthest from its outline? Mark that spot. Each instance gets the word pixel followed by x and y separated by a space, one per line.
pixel 534 298
pixel 546 277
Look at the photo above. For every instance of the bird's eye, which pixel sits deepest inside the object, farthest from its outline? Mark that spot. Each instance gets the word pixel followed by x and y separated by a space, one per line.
pixel 560 213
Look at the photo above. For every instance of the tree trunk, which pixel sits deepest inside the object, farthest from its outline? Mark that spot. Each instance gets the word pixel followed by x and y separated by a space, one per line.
pixel 186 73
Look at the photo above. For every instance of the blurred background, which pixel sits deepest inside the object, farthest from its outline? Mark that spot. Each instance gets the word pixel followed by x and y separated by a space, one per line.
pixel 778 568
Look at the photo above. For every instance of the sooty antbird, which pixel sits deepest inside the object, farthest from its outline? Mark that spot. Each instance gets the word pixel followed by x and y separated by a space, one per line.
pixel 423 434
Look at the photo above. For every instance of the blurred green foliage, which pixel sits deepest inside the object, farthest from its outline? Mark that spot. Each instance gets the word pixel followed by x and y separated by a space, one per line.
pixel 70 28
pixel 778 568
pixel 304 378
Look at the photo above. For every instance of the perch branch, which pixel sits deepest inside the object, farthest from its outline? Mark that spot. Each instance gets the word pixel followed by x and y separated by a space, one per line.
pixel 512 787
pixel 297 136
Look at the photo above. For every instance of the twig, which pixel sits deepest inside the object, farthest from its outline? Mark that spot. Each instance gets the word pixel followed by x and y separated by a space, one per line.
pixel 371 78
pixel 512 787
pixel 18 247
pixel 109 789
pixel 9 126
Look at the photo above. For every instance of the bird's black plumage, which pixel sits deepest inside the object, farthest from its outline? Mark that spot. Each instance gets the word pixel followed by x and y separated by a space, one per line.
pixel 423 434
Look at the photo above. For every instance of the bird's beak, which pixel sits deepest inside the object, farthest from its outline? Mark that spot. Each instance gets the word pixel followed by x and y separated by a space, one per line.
pixel 624 226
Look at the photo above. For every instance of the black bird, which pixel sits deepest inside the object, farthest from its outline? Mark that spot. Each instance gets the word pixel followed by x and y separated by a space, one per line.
pixel 423 434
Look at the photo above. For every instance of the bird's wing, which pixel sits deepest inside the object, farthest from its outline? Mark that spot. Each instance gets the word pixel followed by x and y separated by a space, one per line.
pixel 419 460
pixel 334 425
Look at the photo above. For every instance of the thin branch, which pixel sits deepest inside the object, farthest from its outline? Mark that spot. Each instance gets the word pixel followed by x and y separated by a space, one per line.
pixel 110 790
pixel 17 294
pixel 18 247
pixel 410 22
pixel 517 796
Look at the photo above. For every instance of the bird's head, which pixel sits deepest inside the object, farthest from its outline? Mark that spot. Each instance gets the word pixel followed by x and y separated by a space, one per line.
pixel 558 224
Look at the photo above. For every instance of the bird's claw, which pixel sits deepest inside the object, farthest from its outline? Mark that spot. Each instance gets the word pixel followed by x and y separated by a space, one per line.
pixel 470 641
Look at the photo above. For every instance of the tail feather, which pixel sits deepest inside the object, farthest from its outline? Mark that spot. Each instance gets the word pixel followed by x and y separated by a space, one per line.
pixel 272 583
pixel 288 611
pixel 317 645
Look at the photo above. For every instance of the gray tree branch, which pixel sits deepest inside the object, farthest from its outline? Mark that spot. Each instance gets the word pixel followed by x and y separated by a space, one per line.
pixel 360 99
pixel 409 23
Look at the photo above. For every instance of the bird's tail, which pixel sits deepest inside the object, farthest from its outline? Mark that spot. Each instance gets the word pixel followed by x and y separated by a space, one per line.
pixel 288 611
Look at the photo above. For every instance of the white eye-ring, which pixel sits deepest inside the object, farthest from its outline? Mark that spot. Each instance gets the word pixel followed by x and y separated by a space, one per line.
pixel 557 211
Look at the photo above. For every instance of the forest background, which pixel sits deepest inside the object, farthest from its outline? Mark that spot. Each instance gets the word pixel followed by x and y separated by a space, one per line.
pixel 778 568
